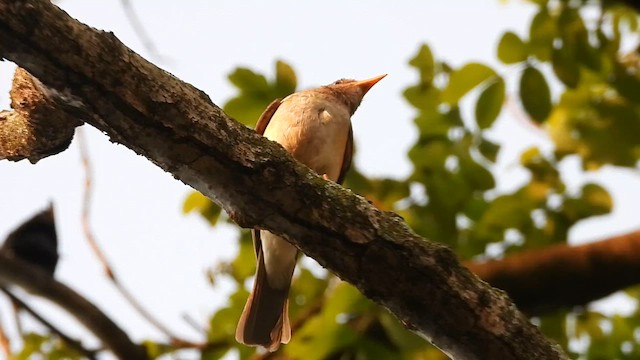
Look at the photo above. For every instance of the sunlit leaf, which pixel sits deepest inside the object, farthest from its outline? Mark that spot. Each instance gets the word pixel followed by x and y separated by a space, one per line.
pixel 423 96
pixel 195 201
pixel 286 80
pixel 511 49
pixel 249 81
pixel 598 198
pixel 465 79
pixel 425 64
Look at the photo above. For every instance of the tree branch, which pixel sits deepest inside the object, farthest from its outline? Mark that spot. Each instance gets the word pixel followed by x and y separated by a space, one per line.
pixel 17 272
pixel 34 130
pixel 563 276
pixel 178 128
pixel 72 343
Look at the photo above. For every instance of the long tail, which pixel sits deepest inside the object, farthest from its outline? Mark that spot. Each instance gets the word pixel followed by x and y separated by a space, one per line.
pixel 265 318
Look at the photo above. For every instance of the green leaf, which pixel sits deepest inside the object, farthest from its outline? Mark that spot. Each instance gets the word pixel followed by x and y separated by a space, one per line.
pixel 286 80
pixel 542 32
pixel 249 81
pixel 207 208
pixel 489 149
pixel 423 96
pixel 327 332
pixel 477 176
pixel 223 323
pixel 565 65
pixel 195 201
pixel 255 92
pixel 598 198
pixel 247 109
pixel 511 49
pixel 244 264
pixel 465 79
pixel 535 94
pixel 306 292
pixel 593 201
pixel 32 344
pixel 490 103
pixel 424 62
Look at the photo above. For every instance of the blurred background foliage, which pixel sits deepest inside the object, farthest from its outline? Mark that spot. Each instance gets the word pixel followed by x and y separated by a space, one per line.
pixel 576 77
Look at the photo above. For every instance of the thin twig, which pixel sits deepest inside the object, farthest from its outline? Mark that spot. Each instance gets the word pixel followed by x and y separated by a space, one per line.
pixel 75 344
pixel 139 29
pixel 194 324
pixel 108 269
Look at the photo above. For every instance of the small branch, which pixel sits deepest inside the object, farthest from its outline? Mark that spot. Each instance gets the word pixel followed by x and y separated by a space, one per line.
pixel 93 244
pixel 34 129
pixel 86 206
pixel 564 276
pixel 75 344
pixel 36 281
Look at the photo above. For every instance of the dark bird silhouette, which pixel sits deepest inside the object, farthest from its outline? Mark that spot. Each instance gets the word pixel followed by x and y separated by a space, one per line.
pixel 35 241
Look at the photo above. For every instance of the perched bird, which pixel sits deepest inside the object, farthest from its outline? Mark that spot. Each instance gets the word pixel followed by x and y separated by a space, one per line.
pixel 35 241
pixel 315 127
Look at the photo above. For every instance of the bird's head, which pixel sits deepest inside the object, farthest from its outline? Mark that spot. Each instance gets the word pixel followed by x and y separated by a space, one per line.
pixel 351 91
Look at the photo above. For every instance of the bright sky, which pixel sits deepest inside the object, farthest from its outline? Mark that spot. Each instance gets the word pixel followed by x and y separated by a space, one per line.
pixel 162 255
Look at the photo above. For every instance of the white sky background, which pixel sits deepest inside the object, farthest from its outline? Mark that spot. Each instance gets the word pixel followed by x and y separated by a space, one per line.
pixel 162 255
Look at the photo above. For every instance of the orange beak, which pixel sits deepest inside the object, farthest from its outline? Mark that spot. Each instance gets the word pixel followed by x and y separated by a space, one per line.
pixel 365 85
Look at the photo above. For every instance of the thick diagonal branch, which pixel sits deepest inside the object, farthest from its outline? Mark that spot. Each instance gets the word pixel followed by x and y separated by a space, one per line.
pixel 178 128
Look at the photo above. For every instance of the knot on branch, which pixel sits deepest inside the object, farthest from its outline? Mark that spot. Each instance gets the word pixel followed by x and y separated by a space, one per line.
pixel 39 125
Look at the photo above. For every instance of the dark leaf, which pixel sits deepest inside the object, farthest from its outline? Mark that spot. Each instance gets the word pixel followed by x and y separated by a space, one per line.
pixel 535 94
pixel 490 103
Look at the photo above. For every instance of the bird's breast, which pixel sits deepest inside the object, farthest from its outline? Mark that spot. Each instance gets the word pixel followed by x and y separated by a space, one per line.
pixel 314 132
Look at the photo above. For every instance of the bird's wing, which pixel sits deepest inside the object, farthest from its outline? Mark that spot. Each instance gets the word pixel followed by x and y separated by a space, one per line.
pixel 348 154
pixel 266 116
pixel 261 125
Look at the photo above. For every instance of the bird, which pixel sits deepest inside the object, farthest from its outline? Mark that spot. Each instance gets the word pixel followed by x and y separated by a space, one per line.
pixel 35 242
pixel 315 127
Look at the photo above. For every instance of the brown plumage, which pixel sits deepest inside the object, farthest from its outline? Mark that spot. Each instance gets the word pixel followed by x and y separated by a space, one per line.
pixel 315 127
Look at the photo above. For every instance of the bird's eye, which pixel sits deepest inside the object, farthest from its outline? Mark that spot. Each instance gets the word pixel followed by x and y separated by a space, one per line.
pixel 341 81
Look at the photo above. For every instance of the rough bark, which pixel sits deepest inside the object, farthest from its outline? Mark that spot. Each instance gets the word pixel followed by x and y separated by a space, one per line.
pixel 564 276
pixel 178 128
pixel 35 128
pixel 38 282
